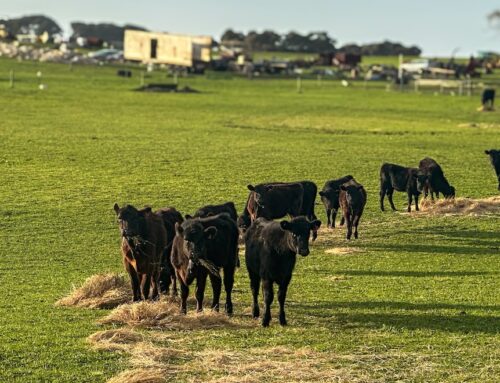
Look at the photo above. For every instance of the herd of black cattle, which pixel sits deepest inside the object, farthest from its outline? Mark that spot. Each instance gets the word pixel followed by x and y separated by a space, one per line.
pixel 162 247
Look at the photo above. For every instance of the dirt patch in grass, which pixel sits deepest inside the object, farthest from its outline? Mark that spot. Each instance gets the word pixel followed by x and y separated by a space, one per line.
pixel 461 206
pixel 166 315
pixel 342 250
pixel 103 291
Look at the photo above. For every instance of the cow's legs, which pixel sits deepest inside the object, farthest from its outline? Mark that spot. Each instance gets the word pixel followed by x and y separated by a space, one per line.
pixel 356 223
pixel 410 200
pixel 328 217
pixel 334 216
pixel 390 193
pixel 173 279
pixel 348 219
pixel 382 196
pixel 145 285
pixel 155 282
pixel 254 285
pixel 281 299
pixel 201 281
pixel 416 202
pixel 135 284
pixel 184 296
pixel 228 286
pixel 216 288
pixel 267 289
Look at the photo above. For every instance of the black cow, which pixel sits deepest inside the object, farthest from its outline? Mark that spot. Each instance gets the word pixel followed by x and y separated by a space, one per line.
pixel 436 181
pixel 352 198
pixel 330 198
pixel 169 216
pixel 395 177
pixel 209 210
pixel 271 250
pixel 278 199
pixel 495 161
pixel 488 98
pixel 203 245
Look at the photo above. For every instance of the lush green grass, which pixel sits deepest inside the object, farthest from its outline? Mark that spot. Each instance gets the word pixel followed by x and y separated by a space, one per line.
pixel 419 286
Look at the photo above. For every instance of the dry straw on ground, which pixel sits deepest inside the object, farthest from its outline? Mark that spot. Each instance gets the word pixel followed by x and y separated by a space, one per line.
pixel 342 250
pixel 99 291
pixel 166 315
pixel 141 375
pixel 121 339
pixel 461 206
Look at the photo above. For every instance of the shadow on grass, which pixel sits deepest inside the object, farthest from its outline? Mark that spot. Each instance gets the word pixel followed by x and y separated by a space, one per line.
pixel 397 305
pixel 473 248
pixel 449 323
pixel 459 322
pixel 418 274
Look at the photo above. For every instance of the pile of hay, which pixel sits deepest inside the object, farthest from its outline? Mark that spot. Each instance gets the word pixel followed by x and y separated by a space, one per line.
pixel 461 206
pixel 121 339
pixel 165 315
pixel 102 291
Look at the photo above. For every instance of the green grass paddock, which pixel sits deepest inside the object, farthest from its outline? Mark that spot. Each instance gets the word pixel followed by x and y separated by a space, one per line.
pixel 418 286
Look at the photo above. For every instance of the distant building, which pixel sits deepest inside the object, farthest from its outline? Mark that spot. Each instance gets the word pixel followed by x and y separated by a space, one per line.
pixel 166 48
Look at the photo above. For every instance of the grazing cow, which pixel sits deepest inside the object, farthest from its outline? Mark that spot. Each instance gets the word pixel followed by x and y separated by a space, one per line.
pixel 488 98
pixel 169 216
pixel 143 242
pixel 395 177
pixel 202 246
pixel 436 181
pixel 271 250
pixel 278 199
pixel 352 198
pixel 495 161
pixel 330 198
pixel 210 210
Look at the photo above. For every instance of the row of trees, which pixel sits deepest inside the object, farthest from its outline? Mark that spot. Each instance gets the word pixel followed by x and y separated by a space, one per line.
pixel 268 40
pixel 38 24
pixel 385 48
pixel 314 42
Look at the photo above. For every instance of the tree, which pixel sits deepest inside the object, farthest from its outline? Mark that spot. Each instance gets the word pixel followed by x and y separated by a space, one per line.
pixel 230 35
pixel 35 24
pixel 265 41
pixel 110 33
pixel 494 18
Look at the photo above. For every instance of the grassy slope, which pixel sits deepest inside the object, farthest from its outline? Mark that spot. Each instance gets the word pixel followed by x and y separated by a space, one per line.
pixel 420 286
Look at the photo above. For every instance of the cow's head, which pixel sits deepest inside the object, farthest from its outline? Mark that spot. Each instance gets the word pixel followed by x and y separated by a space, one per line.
pixel 130 220
pixel 299 231
pixel 195 238
pixel 421 180
pixel 244 221
pixel 495 161
pixel 449 192
pixel 260 194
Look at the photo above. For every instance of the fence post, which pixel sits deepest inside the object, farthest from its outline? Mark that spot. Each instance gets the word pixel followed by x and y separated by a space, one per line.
pixel 299 84
pixel 11 79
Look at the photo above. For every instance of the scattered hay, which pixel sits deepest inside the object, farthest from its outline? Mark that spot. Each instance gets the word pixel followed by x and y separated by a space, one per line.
pixel 342 250
pixel 141 375
pixel 147 355
pixel 122 339
pixel 461 206
pixel 101 291
pixel 165 315
pixel 336 278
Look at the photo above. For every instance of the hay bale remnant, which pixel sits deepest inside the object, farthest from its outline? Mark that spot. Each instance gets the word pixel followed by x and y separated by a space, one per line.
pixel 103 291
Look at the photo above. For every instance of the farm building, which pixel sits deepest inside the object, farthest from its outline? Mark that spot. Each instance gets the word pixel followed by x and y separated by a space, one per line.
pixel 166 48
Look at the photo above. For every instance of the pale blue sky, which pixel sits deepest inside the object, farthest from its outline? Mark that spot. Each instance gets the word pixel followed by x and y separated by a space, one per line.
pixel 437 26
